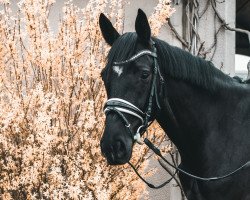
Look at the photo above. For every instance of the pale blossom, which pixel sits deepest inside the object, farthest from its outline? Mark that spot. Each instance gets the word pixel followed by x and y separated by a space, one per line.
pixel 51 99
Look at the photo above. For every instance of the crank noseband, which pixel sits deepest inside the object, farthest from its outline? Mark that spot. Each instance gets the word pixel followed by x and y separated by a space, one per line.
pixel 120 107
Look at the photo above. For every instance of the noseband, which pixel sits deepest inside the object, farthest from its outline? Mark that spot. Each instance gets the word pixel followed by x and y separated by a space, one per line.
pixel 121 106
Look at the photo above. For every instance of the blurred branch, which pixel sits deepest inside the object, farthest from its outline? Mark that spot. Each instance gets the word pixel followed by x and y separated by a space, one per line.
pixel 182 40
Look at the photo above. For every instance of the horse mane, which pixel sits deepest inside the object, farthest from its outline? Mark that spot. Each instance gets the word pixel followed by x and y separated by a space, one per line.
pixel 173 61
pixel 182 65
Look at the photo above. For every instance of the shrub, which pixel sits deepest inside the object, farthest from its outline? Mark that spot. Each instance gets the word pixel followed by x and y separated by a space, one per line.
pixel 51 99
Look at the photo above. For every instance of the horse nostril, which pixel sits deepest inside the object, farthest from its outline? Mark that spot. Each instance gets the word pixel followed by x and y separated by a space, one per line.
pixel 119 149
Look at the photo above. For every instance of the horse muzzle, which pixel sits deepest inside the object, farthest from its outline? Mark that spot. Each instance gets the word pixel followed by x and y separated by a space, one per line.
pixel 116 153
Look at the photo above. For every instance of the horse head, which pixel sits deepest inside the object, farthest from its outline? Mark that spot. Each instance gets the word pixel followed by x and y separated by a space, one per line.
pixel 130 79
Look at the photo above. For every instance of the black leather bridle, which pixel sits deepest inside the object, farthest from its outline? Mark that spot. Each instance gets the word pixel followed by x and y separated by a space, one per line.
pixel 121 106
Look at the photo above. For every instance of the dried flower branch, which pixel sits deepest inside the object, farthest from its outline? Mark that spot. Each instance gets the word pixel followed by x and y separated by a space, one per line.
pixel 51 99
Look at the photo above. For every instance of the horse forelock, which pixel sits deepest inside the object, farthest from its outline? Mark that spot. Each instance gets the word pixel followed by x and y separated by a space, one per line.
pixel 122 49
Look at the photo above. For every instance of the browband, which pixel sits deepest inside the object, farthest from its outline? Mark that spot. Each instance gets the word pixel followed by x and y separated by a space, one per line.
pixel 136 56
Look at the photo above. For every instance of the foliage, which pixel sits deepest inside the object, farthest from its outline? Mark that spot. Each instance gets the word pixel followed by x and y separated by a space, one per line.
pixel 51 99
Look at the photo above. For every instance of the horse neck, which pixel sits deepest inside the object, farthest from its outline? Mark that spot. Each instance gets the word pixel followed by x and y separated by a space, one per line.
pixel 192 109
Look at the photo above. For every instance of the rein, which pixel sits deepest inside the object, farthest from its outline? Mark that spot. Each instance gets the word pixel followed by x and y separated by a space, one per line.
pixel 121 107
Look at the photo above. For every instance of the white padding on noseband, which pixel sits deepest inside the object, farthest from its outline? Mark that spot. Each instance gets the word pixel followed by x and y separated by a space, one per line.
pixel 126 102
pixel 124 110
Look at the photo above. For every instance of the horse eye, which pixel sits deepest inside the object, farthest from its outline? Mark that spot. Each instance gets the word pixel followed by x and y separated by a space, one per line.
pixel 145 75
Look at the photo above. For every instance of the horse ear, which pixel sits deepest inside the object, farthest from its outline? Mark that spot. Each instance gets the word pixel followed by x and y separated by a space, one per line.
pixel 142 27
pixel 109 33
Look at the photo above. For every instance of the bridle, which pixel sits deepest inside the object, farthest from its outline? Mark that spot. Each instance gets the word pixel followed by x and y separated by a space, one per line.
pixel 121 107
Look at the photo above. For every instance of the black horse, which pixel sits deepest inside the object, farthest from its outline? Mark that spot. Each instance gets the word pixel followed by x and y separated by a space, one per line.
pixel 204 112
